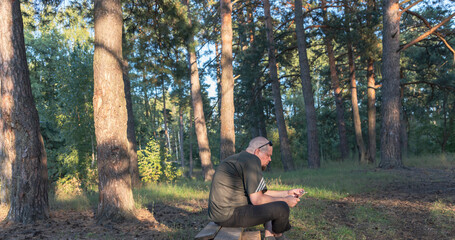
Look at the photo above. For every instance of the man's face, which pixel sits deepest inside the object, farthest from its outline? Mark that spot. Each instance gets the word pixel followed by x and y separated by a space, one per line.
pixel 265 156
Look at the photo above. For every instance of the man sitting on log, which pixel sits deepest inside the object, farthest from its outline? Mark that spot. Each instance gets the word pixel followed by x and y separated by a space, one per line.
pixel 239 195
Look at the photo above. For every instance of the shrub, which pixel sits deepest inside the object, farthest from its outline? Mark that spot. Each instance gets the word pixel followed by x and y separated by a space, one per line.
pixel 149 162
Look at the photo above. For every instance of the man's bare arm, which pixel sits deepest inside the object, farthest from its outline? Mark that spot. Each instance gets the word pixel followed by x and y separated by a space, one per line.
pixel 260 198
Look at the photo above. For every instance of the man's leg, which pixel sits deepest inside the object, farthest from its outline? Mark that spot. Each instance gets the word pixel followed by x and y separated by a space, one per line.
pixel 252 215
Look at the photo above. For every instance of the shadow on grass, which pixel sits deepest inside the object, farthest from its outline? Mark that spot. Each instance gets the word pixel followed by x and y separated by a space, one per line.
pixel 179 216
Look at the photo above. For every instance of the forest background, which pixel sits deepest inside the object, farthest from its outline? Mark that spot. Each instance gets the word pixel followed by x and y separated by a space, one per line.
pixel 344 53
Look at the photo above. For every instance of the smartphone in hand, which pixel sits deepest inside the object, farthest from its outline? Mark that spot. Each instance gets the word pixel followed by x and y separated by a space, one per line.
pixel 301 193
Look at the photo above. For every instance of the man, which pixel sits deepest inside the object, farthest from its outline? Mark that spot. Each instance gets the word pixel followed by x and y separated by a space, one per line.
pixel 239 196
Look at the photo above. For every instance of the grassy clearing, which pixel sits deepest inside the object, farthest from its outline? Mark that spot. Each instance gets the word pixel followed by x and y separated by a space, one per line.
pixel 325 212
pixel 335 180
pixel 441 161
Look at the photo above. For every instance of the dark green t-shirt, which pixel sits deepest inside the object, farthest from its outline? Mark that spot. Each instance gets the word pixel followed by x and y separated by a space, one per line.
pixel 235 178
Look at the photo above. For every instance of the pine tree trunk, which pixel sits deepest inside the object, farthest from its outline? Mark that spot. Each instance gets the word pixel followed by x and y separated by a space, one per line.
pixel 371 111
pixel 403 127
pixel 307 90
pixel 199 118
pixel 131 134
pixel 21 140
pixel 182 156
pixel 362 151
pixel 218 75
pixel 363 156
pixel 227 133
pixel 286 156
pixel 146 97
pixel 116 198
pixel 344 149
pixel 190 158
pixel 391 105
pixel 5 166
pixel 371 92
pixel 166 131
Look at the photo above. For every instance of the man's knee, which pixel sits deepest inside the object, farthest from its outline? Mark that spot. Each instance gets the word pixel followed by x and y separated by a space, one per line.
pixel 282 208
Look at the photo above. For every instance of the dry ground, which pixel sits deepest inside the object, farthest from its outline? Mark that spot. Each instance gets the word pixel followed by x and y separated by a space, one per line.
pixel 407 204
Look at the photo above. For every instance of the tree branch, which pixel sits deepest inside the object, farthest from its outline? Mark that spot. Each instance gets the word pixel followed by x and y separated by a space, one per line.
pixel 423 36
pixel 438 34
pixel 431 84
pixel 410 6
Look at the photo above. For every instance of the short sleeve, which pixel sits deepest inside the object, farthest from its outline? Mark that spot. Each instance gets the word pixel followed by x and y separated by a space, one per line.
pixel 254 180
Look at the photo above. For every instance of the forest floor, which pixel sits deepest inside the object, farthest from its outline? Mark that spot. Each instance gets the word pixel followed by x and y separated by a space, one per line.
pixel 401 210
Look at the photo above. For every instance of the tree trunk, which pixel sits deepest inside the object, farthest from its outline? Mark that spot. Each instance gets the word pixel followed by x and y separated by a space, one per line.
pixel 166 132
pixel 5 169
pixel 371 111
pixel 22 145
pixel 182 156
pixel 371 92
pixel 227 133
pixel 190 158
pixel 362 151
pixel 131 134
pixel 146 97
pixel 344 149
pixel 109 104
pixel 307 90
pixel 363 156
pixel 218 75
pixel 391 105
pixel 286 156
pixel 403 126
pixel 199 118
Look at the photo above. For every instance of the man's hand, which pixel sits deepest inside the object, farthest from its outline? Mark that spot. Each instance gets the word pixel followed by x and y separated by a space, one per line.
pixel 297 193
pixel 291 201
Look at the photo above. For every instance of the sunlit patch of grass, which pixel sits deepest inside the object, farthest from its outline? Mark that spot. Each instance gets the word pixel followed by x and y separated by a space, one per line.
pixel 172 192
pixel 441 161
pixel 71 201
pixel 442 214
pixel 334 180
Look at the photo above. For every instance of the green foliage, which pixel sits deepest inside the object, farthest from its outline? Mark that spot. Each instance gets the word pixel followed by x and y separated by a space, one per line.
pixel 171 171
pixel 149 162
pixel 153 168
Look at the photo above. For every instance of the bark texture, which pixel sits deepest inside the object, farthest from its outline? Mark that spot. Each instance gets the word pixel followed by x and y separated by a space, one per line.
pixel 371 92
pixel 363 155
pixel 131 134
pixel 371 111
pixel 23 154
pixel 227 130
pixel 190 158
pixel 307 89
pixel 182 155
pixel 391 105
pixel 286 156
pixel 199 118
pixel 116 198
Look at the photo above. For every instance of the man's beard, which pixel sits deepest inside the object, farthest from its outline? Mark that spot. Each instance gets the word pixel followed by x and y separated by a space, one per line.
pixel 264 168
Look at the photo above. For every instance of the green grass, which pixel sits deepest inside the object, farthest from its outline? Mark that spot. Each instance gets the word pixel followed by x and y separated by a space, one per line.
pixel 335 180
pixel 441 161
pixel 323 213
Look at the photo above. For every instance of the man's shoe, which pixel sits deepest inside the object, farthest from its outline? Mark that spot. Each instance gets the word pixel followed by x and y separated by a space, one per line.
pixel 282 237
